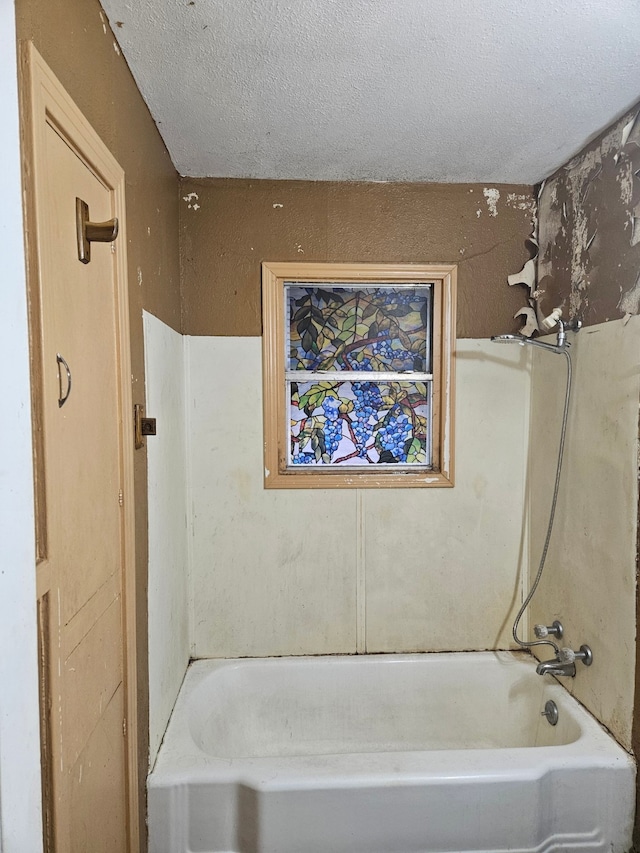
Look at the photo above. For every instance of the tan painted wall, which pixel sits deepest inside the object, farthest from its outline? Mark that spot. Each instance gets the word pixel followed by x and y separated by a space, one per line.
pixel 229 226
pixel 589 246
pixel 74 38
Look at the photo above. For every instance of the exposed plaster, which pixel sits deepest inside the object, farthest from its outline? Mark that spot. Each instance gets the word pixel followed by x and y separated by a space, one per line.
pixel 630 301
pixel 589 221
pixel 492 196
pixel 550 224
pixel 192 201
pixel 522 202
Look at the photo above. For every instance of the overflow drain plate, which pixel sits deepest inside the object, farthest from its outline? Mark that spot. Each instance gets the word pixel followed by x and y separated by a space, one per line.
pixel 550 712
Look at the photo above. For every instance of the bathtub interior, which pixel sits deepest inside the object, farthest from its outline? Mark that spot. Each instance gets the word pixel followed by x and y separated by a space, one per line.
pixel 343 705
pixel 442 753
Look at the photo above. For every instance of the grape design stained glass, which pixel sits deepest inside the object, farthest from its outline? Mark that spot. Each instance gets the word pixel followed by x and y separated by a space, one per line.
pixel 359 379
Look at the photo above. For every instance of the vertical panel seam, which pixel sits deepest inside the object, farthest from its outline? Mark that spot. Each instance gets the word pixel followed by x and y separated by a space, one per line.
pixel 189 509
pixel 361 587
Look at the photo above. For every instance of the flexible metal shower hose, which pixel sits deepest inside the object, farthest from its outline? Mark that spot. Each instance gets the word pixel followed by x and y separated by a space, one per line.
pixel 524 643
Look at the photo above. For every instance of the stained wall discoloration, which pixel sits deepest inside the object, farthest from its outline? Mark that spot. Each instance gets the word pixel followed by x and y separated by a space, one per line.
pixel 239 223
pixel 589 241
pixel 75 40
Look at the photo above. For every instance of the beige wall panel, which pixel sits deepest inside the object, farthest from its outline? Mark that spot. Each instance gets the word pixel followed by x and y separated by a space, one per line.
pixel 90 802
pixel 589 579
pixel 167 490
pixel 443 566
pixel 229 226
pixel 272 572
pixel 280 572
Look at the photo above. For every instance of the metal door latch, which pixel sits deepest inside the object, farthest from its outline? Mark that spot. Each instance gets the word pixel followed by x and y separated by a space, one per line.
pixel 143 426
pixel 92 232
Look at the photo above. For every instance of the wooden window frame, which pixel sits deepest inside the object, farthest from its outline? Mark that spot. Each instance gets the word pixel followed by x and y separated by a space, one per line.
pixel 277 474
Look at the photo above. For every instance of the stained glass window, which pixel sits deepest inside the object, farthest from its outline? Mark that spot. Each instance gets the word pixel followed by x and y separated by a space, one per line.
pixel 358 374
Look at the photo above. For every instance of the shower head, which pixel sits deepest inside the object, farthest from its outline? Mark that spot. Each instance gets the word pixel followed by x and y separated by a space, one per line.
pixel 508 339
pixel 561 345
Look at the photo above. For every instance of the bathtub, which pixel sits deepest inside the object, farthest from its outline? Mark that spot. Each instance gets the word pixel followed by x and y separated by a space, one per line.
pixel 385 754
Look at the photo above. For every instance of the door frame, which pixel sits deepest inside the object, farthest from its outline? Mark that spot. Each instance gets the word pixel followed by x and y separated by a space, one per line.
pixel 44 100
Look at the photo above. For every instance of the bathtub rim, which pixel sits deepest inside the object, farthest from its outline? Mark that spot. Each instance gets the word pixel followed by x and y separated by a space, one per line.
pixel 181 761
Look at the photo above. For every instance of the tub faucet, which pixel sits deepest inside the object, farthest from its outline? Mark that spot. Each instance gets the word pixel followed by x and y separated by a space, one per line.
pixel 564 663
pixel 555 667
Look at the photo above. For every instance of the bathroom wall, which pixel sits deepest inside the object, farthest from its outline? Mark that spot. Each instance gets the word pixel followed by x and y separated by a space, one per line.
pixel 325 571
pixel 75 40
pixel 590 263
pixel 167 497
pixel 280 572
pixel 590 575
pixel 227 227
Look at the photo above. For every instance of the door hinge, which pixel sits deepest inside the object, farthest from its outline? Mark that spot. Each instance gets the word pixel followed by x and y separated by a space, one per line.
pixel 124 727
pixel 120 498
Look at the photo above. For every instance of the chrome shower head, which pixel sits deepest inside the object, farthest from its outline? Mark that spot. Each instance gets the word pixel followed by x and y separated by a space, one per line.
pixel 561 342
pixel 509 339
pixel 534 342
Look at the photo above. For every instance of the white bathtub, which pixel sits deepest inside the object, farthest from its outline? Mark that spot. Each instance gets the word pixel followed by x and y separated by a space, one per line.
pixel 385 754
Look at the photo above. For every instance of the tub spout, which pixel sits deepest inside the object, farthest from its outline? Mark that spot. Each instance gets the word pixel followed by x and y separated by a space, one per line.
pixel 555 667
pixel 564 663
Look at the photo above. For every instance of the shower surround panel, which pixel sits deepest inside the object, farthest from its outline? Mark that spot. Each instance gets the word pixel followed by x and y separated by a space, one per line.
pixel 278 572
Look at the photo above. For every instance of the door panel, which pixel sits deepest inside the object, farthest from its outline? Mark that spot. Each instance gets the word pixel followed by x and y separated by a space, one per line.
pixel 84 461
pixel 96 809
pixel 81 438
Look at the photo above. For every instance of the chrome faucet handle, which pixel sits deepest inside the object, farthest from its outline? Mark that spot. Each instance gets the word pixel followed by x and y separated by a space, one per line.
pixel 554 630
pixel 569 656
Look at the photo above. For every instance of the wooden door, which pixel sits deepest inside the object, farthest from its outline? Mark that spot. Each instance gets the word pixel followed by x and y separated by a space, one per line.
pixel 83 481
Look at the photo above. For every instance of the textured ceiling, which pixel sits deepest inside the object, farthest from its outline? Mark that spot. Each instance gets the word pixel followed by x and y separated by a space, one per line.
pixel 401 90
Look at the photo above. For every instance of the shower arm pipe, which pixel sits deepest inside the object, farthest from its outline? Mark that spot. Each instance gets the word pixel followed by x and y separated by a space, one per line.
pixel 524 643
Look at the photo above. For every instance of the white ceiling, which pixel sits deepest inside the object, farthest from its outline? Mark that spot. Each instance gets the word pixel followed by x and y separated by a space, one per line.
pixel 397 90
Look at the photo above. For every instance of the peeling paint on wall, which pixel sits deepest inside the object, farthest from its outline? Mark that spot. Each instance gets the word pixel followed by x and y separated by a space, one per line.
pixel 589 228
pixel 630 301
pixel 492 195
pixel 522 202
pixel 192 201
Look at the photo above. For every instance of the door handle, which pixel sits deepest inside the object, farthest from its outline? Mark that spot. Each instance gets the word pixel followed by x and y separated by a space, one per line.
pixel 62 398
pixel 92 232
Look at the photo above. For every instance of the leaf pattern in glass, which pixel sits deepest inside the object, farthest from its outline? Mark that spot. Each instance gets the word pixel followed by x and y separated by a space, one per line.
pixel 359 423
pixel 377 328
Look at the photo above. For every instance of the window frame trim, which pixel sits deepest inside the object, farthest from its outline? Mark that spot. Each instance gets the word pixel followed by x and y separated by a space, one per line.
pixel 276 473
